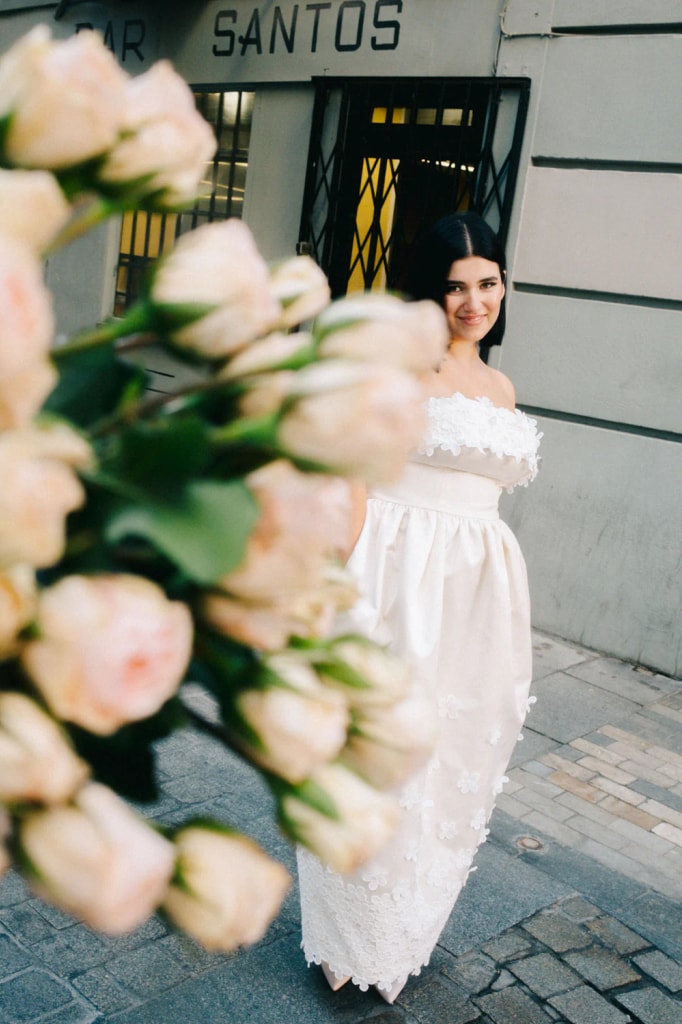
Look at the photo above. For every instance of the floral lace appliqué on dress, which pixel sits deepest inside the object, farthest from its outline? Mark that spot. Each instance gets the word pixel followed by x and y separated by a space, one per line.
pixel 456 422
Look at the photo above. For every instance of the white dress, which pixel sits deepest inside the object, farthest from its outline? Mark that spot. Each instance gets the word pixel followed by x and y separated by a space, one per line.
pixel 446 578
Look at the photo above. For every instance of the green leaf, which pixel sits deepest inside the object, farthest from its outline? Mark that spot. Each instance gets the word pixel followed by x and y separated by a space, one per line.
pixel 163 454
pixel 204 532
pixel 5 123
pixel 92 384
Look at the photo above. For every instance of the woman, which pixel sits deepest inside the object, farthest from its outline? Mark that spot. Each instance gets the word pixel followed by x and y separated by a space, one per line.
pixel 448 583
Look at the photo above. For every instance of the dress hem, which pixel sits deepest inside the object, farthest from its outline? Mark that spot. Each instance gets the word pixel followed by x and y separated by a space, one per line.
pixel 366 981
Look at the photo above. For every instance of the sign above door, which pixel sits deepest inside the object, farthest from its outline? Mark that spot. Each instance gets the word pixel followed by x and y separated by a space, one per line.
pixel 244 41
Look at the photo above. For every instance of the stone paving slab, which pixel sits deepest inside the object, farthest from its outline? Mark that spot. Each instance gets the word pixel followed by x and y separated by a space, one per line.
pixel 568 708
pixel 620 780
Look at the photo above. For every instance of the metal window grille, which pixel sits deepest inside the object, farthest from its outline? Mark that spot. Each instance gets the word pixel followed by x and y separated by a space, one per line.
pixel 146 236
pixel 387 158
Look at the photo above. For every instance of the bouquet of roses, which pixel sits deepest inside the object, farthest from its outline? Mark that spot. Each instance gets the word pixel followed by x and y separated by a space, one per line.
pixel 149 541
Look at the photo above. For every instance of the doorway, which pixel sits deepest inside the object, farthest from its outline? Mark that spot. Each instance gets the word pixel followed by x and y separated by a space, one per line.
pixel 388 157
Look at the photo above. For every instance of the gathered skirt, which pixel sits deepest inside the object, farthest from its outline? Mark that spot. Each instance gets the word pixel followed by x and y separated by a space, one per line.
pixel 444 582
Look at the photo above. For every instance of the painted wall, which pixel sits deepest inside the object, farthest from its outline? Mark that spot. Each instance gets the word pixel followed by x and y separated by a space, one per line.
pixel 595 335
pixel 278 155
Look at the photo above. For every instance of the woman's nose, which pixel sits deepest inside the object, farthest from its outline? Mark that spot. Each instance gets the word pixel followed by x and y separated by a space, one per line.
pixel 472 300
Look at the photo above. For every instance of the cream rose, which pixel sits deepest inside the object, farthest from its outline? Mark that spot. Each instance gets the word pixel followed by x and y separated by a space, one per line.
pixel 298 724
pixel 165 143
pixel 63 98
pixel 269 353
pixel 213 290
pixel 227 890
pixel 355 419
pixel 370 676
pixel 110 649
pixel 98 860
pixel 267 394
pixel 339 817
pixel 268 626
pixel 27 323
pixel 39 489
pixel 304 520
pixel 301 287
pixel 37 763
pixel 33 208
pixel 17 605
pixel 411 336
pixel 23 394
pixel 387 745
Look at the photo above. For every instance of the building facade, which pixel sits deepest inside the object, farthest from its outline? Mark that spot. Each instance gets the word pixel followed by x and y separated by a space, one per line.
pixel 346 126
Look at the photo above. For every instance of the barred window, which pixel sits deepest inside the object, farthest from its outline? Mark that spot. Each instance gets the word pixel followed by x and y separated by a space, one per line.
pixel 388 157
pixel 146 236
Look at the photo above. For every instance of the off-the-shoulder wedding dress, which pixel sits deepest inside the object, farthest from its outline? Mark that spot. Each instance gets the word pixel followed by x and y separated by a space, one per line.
pixel 445 580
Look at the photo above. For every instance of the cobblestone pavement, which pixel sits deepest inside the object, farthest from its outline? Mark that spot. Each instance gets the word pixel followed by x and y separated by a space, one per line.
pixel 573 915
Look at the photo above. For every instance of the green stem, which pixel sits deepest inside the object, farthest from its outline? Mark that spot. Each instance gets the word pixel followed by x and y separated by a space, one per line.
pixel 260 430
pixel 135 321
pixel 84 220
pixel 148 406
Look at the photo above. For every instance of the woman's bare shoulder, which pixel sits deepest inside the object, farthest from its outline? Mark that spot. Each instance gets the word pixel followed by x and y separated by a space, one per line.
pixel 503 387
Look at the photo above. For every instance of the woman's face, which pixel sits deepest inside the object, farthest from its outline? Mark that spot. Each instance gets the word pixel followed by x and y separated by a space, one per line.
pixel 473 295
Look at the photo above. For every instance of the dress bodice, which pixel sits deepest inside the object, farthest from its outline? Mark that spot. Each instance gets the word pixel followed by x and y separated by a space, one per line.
pixel 474 436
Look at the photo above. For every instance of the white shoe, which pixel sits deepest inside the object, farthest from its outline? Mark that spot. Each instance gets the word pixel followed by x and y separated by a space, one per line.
pixel 334 981
pixel 391 994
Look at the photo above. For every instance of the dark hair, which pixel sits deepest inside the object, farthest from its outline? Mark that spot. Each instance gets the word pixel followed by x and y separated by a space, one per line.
pixel 455 237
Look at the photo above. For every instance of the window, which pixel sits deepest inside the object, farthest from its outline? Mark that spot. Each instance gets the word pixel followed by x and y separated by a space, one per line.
pixel 146 236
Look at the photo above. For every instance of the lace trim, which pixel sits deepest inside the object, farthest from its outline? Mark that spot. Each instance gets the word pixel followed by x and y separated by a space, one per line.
pixel 456 422
pixel 390 934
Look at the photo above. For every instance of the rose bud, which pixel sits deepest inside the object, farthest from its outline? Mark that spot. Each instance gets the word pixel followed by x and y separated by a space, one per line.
pixel 98 860
pixel 304 521
pixel 301 287
pixel 165 142
pixel 39 489
pixel 110 649
pixel 27 324
pixel 37 763
pixel 23 394
pixel 17 606
pixel 268 626
pixel 277 351
pixel 411 336
pixel 293 723
pixel 370 676
pixel 338 817
pixel 32 207
pixel 353 419
pixel 212 292
pixel 62 99
pixel 386 745
pixel 226 890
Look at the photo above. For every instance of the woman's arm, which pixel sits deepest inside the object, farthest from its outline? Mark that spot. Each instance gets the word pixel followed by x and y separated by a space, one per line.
pixel 357 514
